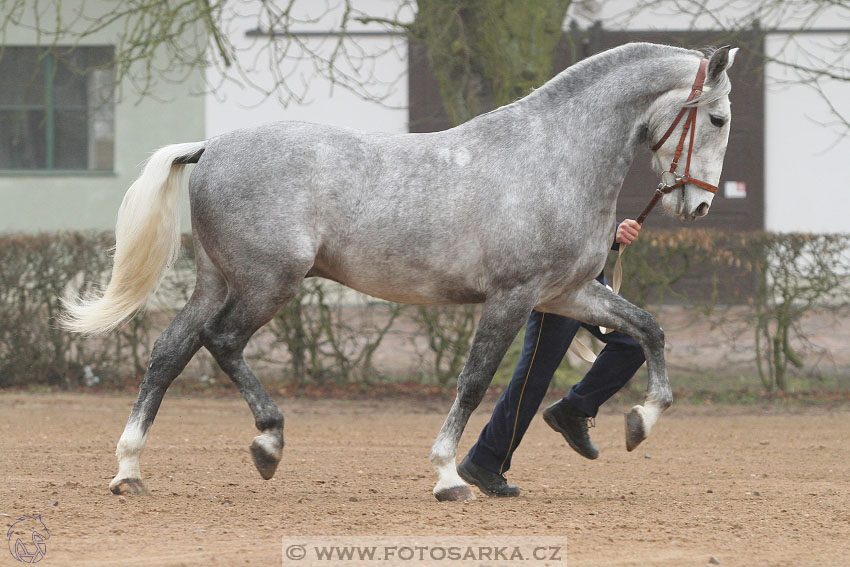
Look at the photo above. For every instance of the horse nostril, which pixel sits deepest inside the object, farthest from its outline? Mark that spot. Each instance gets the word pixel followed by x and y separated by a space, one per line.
pixel 702 210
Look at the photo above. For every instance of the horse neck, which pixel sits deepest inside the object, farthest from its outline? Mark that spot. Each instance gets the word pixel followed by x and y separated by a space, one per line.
pixel 596 117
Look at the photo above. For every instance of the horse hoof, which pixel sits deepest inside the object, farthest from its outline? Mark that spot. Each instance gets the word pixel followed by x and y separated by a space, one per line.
pixel 462 493
pixel 266 453
pixel 635 428
pixel 133 486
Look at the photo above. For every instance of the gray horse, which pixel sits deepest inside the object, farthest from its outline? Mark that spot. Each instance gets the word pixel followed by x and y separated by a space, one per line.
pixel 514 209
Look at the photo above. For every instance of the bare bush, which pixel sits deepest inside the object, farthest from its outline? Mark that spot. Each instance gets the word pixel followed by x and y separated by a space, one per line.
pixel 330 334
pixel 795 274
pixel 449 331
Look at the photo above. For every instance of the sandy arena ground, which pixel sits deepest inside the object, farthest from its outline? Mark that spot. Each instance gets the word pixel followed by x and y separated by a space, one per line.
pixel 748 486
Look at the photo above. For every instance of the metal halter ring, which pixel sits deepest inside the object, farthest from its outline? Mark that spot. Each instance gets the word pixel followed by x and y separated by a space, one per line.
pixel 669 181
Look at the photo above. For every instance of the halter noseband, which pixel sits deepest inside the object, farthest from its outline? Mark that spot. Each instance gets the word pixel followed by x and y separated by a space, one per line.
pixel 669 179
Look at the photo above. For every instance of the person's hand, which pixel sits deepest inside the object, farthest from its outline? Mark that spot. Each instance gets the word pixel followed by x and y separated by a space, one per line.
pixel 627 231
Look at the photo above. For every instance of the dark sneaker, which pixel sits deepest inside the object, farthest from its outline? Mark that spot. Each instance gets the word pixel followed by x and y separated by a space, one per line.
pixel 490 483
pixel 572 424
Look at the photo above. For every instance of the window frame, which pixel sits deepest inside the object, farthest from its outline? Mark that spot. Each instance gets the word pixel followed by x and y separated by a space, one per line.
pixel 48 106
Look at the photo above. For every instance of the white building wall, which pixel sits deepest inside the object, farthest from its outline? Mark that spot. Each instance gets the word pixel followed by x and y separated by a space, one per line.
pixel 379 61
pixel 232 106
pixel 807 155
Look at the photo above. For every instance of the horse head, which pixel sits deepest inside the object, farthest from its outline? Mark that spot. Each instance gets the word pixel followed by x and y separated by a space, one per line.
pixel 694 128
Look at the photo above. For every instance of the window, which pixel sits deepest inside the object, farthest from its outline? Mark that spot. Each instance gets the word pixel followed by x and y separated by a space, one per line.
pixel 57 112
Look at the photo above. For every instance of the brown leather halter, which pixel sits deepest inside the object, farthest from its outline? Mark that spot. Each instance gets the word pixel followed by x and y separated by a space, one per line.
pixel 669 179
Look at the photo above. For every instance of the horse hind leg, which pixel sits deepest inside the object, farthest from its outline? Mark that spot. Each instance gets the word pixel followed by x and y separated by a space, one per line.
pixel 503 316
pixel 170 354
pixel 247 308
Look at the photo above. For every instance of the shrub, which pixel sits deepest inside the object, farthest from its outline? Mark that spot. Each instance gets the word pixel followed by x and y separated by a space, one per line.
pixel 331 334
pixel 35 273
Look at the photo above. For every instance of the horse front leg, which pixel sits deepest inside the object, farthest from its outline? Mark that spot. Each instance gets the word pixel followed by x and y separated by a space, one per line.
pixel 597 305
pixel 503 316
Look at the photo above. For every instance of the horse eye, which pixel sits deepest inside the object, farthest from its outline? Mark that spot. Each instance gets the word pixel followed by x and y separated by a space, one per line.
pixel 717 121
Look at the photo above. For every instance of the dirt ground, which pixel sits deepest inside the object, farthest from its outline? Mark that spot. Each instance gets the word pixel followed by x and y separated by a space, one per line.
pixel 749 486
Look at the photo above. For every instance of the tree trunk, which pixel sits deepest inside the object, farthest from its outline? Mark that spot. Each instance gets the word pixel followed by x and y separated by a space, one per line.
pixel 485 54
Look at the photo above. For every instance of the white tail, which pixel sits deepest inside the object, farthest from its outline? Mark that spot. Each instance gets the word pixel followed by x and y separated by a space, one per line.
pixel 147 242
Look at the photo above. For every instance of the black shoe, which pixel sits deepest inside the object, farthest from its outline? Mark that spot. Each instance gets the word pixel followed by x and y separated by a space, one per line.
pixel 490 483
pixel 572 424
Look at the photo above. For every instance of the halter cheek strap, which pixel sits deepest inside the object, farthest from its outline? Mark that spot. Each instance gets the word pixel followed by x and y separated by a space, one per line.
pixel 696 90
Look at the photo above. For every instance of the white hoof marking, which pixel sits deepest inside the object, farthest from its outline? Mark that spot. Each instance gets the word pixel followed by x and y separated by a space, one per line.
pixel 649 412
pixel 128 451
pixel 269 442
pixel 447 477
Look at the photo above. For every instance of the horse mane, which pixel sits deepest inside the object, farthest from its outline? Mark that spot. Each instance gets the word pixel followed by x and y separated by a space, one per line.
pixel 582 74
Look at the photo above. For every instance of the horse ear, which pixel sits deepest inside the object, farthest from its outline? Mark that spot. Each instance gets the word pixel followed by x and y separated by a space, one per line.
pixel 732 53
pixel 720 61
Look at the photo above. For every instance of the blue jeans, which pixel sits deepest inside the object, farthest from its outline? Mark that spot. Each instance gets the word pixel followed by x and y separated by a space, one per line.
pixel 547 337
